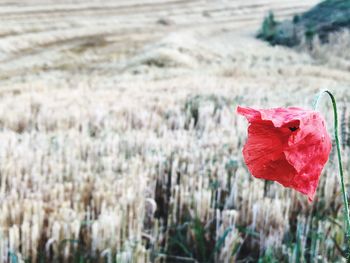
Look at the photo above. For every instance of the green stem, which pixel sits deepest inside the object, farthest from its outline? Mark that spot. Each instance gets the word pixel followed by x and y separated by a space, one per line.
pixel 344 192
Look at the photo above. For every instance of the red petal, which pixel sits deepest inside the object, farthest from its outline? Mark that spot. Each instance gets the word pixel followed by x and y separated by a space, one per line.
pixel 283 116
pixel 308 151
pixel 251 114
pixel 287 145
pixel 263 153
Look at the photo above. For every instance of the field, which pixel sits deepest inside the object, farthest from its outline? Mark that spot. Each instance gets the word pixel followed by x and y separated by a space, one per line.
pixel 119 139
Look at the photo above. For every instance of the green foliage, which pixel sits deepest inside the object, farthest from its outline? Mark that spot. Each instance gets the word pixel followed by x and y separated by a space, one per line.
pixel 13 257
pixel 296 19
pixel 323 19
pixel 268 257
pixel 310 33
pixel 193 240
pixel 268 28
pixel 231 168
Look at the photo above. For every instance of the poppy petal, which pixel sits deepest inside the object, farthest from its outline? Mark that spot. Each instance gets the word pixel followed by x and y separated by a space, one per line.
pixel 287 145
pixel 249 113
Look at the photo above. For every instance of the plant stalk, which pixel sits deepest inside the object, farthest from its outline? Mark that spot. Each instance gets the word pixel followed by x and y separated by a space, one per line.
pixel 341 174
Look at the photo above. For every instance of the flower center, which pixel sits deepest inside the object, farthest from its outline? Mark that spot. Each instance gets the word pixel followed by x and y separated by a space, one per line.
pixel 293 128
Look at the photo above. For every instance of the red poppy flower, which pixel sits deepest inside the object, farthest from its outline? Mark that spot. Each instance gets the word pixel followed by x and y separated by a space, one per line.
pixel 287 145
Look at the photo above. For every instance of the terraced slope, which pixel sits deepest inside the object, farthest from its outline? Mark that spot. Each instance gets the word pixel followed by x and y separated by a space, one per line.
pixel 46 36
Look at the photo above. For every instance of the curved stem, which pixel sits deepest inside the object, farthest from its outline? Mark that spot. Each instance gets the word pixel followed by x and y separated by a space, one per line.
pixel 344 192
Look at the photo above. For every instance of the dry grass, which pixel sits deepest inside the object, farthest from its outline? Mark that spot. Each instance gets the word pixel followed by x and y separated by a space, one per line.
pixel 332 52
pixel 117 171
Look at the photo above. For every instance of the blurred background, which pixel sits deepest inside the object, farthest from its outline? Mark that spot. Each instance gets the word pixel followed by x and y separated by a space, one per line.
pixel 119 140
